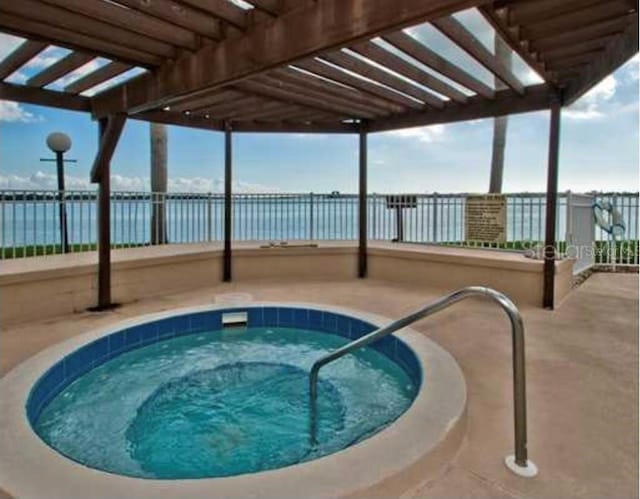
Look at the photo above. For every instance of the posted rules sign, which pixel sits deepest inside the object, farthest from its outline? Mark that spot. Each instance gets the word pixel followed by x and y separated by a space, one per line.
pixel 486 218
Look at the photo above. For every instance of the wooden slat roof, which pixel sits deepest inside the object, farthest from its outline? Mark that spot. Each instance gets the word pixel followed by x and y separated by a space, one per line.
pixel 307 65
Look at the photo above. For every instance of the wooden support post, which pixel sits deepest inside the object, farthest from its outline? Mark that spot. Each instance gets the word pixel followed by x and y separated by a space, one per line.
pixel 226 272
pixel 109 138
pixel 362 203
pixel 110 131
pixel 104 231
pixel 551 203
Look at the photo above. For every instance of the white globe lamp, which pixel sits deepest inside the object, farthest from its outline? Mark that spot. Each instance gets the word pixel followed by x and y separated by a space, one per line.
pixel 59 142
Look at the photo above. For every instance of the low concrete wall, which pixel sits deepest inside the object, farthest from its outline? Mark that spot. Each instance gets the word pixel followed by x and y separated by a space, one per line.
pixel 44 287
pixel 449 268
pixel 329 262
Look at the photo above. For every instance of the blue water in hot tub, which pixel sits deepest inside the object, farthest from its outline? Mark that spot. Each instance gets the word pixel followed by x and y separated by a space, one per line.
pixel 222 403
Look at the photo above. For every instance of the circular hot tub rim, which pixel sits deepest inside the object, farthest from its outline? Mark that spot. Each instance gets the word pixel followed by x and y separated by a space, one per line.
pixel 119 341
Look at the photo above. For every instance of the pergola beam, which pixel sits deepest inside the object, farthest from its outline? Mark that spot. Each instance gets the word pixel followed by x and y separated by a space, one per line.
pixel 64 19
pixel 428 57
pixel 108 141
pixel 207 100
pixel 585 17
pixel 355 65
pixel 277 7
pixel 178 119
pixel 97 77
pixel 324 101
pixel 35 30
pixel 332 89
pixel 376 53
pixel 335 74
pixel 564 63
pixel 222 9
pixel 264 110
pixel 59 68
pixel 19 57
pixel 461 36
pixel 531 12
pixel 294 114
pixel 571 50
pixel 224 110
pixel 307 31
pixel 287 94
pixel 295 127
pixel 510 34
pixel 132 20
pixel 42 97
pixel 580 35
pixel 619 51
pixel 179 15
pixel 285 124
pixel 505 102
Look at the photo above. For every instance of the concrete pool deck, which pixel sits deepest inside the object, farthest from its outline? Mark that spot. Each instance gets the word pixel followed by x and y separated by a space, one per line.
pixel 582 362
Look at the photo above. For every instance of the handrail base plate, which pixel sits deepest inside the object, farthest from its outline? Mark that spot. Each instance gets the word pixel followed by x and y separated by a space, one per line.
pixel 528 471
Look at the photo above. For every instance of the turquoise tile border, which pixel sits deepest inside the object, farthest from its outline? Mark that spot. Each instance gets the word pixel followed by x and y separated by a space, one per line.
pixel 103 349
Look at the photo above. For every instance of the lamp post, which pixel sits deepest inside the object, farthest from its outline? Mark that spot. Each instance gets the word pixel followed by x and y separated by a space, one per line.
pixel 60 143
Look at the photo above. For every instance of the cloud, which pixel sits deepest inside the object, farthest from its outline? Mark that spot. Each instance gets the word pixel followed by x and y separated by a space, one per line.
pixel 631 70
pixel 8 43
pixel 589 106
pixel 44 59
pixel 48 181
pixel 78 73
pixel 433 133
pixel 127 75
pixel 12 112
pixel 242 4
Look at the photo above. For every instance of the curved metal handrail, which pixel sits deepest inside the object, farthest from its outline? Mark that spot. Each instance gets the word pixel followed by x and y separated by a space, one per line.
pixel 518 463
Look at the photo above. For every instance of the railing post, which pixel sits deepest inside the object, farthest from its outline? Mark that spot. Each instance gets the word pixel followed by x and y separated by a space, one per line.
pixel 435 217
pixel 311 221
pixel 568 231
pixel 209 208
pixel 374 221
pixel 613 250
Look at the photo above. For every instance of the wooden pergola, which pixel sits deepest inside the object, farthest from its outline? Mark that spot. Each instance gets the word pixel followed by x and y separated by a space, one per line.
pixel 325 66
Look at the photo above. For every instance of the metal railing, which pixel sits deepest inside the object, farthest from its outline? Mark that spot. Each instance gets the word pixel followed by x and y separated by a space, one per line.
pixel 30 220
pixel 518 463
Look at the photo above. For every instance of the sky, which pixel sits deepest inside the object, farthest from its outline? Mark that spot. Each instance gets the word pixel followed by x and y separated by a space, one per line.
pixel 599 144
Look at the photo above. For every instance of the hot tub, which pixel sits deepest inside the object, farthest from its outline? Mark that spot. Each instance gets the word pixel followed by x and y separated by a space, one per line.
pixel 215 400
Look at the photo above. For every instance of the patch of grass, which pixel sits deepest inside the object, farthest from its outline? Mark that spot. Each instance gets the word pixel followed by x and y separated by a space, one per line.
pixel 626 252
pixel 50 249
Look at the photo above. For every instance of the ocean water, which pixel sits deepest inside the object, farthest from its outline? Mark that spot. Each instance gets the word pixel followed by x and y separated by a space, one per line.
pixel 199 218
pixel 223 403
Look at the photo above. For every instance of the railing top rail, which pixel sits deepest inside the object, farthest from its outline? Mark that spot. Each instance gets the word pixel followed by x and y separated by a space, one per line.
pixel 318 193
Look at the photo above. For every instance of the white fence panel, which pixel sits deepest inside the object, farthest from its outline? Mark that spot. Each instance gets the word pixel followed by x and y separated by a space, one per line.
pixel 580 231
